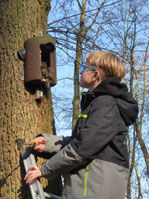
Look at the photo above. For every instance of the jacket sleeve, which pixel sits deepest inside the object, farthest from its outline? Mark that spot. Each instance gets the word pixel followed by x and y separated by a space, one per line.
pixel 98 130
pixel 62 162
pixel 54 143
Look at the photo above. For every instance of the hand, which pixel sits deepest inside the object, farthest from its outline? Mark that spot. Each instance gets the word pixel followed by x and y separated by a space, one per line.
pixel 38 144
pixel 33 174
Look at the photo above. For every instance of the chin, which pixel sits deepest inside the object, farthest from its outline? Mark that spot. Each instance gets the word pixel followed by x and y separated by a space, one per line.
pixel 81 84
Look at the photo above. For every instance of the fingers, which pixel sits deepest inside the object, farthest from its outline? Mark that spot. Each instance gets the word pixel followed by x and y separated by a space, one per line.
pixel 38 140
pixel 38 144
pixel 33 167
pixel 30 169
pixel 33 174
pixel 39 148
pixel 30 177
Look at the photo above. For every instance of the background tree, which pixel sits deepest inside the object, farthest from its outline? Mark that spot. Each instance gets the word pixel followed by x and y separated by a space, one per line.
pixel 80 37
pixel 21 116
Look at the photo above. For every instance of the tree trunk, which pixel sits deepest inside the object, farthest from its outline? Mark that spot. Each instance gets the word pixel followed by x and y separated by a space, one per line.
pixel 21 116
pixel 80 38
pixel 81 34
pixel 141 141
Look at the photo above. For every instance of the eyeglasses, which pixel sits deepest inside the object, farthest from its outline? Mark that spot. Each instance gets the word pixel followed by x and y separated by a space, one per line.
pixel 86 68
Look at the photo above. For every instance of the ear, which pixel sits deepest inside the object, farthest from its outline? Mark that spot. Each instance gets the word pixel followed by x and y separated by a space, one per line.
pixel 96 76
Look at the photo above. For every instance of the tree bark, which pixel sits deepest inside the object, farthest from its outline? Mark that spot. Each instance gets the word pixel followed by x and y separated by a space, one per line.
pixel 21 116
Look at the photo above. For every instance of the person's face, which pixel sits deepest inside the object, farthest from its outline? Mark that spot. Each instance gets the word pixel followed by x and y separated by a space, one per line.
pixel 87 77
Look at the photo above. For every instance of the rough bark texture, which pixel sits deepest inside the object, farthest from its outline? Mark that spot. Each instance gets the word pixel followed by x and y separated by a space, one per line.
pixel 21 117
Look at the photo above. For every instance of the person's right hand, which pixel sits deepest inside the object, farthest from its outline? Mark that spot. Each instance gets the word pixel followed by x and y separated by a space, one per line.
pixel 38 144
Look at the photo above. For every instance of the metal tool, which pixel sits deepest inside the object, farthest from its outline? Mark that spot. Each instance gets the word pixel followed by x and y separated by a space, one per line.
pixel 33 144
pixel 20 143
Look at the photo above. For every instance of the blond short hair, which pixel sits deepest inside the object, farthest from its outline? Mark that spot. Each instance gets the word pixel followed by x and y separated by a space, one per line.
pixel 108 62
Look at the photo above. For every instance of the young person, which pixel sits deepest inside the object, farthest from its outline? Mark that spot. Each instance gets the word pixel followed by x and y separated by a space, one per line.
pixel 95 157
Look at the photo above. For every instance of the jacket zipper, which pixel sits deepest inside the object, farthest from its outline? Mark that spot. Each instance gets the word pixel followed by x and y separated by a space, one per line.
pixel 85 181
pixel 64 189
